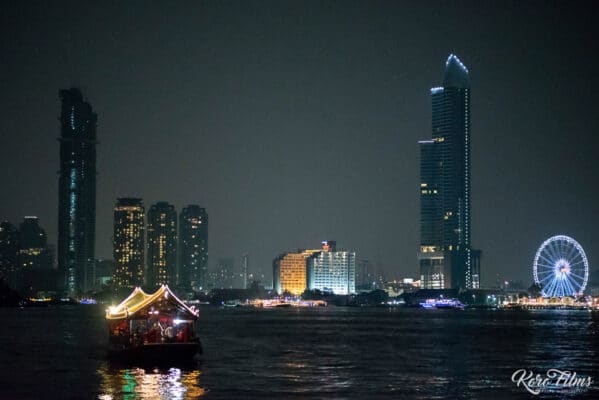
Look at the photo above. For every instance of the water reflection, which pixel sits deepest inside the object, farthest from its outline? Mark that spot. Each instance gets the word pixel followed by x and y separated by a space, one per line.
pixel 154 384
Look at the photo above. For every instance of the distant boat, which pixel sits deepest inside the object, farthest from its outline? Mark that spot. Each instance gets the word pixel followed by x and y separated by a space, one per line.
pixel 153 327
pixel 453 304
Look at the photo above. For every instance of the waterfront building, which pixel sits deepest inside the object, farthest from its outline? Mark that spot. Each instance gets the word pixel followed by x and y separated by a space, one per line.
pixel 331 270
pixel 77 191
pixel 33 246
pixel 193 248
pixel 128 243
pixel 162 245
pixel 290 272
pixel 324 269
pixel 446 257
pixel 9 248
pixel 35 261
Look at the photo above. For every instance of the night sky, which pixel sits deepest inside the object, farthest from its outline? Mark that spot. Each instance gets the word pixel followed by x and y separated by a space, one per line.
pixel 295 122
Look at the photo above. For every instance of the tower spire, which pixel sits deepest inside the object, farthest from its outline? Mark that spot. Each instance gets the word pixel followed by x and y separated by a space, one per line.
pixel 456 73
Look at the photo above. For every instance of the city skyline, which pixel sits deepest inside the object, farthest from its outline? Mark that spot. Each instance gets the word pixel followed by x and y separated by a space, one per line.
pixel 243 154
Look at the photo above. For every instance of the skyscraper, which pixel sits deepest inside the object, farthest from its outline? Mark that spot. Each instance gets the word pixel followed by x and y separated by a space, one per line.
pixel 128 244
pixel 193 248
pixel 77 191
pixel 245 262
pixel 445 253
pixel 162 245
pixel 332 270
pixel 9 247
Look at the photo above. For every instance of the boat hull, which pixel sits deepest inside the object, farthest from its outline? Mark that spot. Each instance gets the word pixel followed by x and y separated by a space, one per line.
pixel 159 352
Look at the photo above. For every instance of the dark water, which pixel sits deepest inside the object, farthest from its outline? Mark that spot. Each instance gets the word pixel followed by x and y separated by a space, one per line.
pixel 328 353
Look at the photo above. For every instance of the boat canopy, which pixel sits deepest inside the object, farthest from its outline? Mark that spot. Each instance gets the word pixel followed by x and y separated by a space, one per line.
pixel 139 301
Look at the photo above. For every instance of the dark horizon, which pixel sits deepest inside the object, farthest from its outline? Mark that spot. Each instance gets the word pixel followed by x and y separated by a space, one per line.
pixel 298 122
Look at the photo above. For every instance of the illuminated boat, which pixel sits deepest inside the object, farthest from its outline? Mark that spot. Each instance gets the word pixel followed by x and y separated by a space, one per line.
pixel 452 304
pixel 156 327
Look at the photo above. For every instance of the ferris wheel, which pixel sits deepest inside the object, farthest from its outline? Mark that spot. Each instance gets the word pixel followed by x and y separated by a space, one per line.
pixel 561 267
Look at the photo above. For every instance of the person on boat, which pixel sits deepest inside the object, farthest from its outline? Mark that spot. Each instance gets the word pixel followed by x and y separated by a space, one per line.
pixel 169 333
pixel 152 336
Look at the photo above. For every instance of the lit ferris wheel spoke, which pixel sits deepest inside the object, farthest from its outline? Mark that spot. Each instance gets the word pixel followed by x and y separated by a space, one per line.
pixel 546 259
pixel 574 257
pixel 561 267
pixel 568 284
pixel 573 285
pixel 551 287
pixel 577 276
pixel 554 248
pixel 546 278
pixel 556 252
pixel 547 264
pixel 573 254
pixel 543 277
pixel 578 263
pixel 574 282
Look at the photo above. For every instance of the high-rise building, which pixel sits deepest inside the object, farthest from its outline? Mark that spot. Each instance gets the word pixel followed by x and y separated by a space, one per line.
pixel 446 259
pixel 33 245
pixel 77 191
pixel 331 270
pixel 128 243
pixel 162 245
pixel 290 272
pixel 34 259
pixel 193 248
pixel 245 262
pixel 323 269
pixel 9 248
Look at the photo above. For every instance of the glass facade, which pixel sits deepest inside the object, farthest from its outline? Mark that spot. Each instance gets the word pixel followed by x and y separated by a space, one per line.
pixel 77 192
pixel 445 253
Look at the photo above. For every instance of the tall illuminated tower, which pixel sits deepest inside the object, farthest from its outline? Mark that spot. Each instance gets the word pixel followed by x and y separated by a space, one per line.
pixel 446 258
pixel 193 248
pixel 245 262
pixel 162 245
pixel 77 192
pixel 128 243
